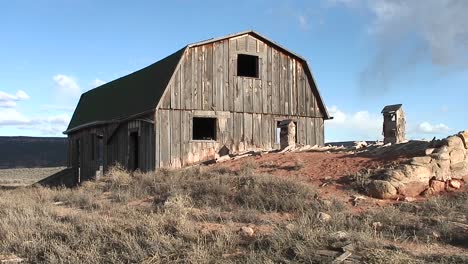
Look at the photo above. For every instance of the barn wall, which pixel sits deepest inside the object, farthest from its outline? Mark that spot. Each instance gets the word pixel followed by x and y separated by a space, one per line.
pixel 115 147
pixel 236 131
pixel 207 80
pixel 247 109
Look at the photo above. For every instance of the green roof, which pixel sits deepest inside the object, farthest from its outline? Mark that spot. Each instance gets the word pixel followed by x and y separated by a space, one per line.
pixel 130 95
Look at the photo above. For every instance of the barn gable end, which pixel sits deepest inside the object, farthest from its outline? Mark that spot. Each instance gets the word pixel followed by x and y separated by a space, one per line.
pixel 210 98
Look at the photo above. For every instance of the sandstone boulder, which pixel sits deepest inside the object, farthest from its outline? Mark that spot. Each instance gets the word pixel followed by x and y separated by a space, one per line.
pixel 413 189
pixel 454 142
pixel 457 155
pixel 441 153
pixel 420 161
pixel 417 173
pixel 459 170
pixel 381 189
pixel 394 175
pixel 442 170
pixel 464 137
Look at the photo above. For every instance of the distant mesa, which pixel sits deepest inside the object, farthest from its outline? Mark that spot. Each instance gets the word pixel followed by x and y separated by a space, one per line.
pixel 32 152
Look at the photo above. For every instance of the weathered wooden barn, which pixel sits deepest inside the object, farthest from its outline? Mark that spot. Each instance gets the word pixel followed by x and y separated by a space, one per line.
pixel 214 97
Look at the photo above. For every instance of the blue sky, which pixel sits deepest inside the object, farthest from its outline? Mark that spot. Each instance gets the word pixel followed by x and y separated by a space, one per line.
pixel 364 54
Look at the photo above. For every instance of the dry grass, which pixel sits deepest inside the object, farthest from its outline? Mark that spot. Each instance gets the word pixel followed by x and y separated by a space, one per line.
pixel 194 215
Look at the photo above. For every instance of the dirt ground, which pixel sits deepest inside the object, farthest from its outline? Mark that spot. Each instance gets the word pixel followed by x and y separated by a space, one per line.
pixel 327 172
pixel 25 176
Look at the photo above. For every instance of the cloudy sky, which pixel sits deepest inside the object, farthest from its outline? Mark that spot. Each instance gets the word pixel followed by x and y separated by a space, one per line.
pixel 364 54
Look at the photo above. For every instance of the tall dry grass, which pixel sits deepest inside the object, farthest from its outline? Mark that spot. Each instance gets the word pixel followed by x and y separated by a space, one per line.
pixel 194 215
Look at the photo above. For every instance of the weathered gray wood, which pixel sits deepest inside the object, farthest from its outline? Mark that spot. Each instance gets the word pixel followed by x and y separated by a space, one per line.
pixel 165 140
pixel 227 91
pixel 157 137
pixel 248 129
pixel 188 92
pixel 238 94
pixel 175 138
pixel 292 86
pixel 248 94
pixel 257 130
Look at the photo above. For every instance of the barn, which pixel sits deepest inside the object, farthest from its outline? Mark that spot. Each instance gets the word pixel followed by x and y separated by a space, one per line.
pixel 215 97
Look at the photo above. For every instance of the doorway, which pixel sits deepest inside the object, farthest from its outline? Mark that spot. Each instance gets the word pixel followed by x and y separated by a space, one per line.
pixel 133 151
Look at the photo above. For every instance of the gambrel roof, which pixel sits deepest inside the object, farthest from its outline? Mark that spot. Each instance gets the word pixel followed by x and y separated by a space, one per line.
pixel 140 92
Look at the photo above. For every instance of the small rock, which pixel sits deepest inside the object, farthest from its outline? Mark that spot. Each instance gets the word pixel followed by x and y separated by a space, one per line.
pixel 429 151
pixel 437 186
pixel 290 227
pixel 360 144
pixel 409 199
pixel 455 184
pixel 323 217
pixel 377 225
pixel 247 231
pixel 339 235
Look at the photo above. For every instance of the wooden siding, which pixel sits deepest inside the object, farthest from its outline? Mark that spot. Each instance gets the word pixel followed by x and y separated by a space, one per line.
pixel 115 138
pixel 207 80
pixel 247 109
pixel 236 131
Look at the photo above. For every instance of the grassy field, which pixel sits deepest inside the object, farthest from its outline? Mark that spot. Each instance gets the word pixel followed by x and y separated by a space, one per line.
pixel 206 215
pixel 25 176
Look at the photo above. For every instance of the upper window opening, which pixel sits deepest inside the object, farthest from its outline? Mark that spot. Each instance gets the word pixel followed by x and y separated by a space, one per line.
pixel 204 128
pixel 247 65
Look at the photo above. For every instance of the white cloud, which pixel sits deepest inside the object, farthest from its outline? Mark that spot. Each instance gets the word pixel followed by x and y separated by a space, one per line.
pixel 22 95
pixel 360 125
pixel 428 128
pixel 9 100
pixel 48 107
pixel 62 119
pixel 46 125
pixel 67 85
pixel 97 83
pixel 11 117
pixel 408 33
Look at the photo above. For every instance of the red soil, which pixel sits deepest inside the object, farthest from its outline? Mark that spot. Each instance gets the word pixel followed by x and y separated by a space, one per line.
pixel 325 171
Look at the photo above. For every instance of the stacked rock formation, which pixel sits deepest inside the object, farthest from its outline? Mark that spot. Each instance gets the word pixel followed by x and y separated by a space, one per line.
pixel 443 167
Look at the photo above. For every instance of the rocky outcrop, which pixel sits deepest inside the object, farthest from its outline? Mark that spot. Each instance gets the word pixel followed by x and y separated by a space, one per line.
pixel 444 166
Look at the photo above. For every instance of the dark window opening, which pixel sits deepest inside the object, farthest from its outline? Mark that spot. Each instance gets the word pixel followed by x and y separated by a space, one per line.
pixel 204 128
pixel 133 149
pixel 247 65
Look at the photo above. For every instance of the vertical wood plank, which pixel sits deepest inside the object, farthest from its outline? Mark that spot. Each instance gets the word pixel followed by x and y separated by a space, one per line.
pixel 275 83
pixel 227 92
pixel 248 94
pixel 248 127
pixel 207 80
pixel 157 134
pixel 175 137
pixel 188 93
